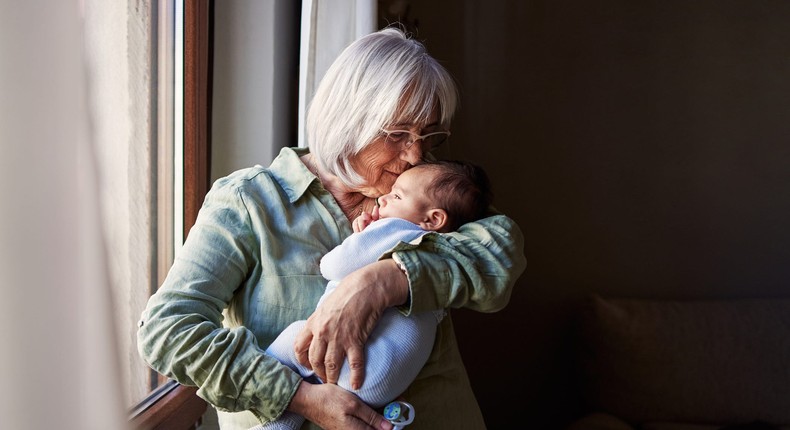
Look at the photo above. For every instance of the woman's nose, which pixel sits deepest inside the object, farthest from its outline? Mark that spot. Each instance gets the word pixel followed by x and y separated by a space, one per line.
pixel 413 154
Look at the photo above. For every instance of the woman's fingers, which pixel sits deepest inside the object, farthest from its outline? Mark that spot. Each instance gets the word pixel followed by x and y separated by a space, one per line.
pixel 302 345
pixel 317 356
pixel 339 328
pixel 327 356
pixel 334 408
pixel 356 362
pixel 333 362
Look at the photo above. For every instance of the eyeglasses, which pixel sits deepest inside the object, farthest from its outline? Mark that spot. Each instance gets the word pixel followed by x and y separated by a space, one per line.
pixel 403 139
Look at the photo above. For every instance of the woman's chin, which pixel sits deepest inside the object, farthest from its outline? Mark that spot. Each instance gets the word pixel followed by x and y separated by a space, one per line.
pixel 381 187
pixel 386 182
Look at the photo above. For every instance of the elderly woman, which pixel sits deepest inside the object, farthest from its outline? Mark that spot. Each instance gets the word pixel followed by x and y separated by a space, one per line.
pixel 250 265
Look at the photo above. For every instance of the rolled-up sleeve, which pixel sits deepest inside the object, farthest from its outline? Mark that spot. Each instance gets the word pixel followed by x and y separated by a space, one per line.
pixel 475 267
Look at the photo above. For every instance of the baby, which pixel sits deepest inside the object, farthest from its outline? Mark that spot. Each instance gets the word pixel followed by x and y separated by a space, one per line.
pixel 433 197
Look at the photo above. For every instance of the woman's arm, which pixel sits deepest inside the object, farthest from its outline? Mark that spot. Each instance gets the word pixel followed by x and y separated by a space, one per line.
pixel 181 333
pixel 339 328
pixel 475 267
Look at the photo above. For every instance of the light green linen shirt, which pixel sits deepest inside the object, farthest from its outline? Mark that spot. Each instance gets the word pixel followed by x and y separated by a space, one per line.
pixel 250 267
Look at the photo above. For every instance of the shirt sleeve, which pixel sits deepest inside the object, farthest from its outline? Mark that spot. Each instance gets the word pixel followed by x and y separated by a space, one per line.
pixel 474 267
pixel 181 334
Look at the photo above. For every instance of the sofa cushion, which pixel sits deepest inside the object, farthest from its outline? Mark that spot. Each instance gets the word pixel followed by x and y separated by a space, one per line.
pixel 705 362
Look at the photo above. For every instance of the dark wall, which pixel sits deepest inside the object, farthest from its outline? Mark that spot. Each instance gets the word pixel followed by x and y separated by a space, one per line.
pixel 644 148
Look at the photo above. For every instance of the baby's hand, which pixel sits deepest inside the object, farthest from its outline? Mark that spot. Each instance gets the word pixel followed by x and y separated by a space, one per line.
pixel 364 220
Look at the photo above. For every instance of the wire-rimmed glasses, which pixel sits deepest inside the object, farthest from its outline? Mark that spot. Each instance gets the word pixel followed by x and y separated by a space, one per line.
pixel 404 139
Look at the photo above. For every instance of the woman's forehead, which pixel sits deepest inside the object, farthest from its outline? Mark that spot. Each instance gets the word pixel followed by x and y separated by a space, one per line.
pixel 408 121
pixel 416 111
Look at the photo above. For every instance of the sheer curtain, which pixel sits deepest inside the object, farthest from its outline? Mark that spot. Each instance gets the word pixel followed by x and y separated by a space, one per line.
pixel 58 362
pixel 328 26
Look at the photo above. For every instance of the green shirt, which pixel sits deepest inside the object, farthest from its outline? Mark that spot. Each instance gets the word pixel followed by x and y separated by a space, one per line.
pixel 250 267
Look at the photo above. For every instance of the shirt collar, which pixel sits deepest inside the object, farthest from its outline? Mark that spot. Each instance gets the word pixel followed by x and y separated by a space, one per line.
pixel 292 175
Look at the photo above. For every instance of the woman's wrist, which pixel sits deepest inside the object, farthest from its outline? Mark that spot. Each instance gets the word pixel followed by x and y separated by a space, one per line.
pixel 396 281
pixel 384 283
pixel 300 402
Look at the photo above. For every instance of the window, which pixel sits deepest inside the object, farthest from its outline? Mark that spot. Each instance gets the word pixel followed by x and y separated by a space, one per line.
pixel 180 149
pixel 137 93
pixel 269 73
pixel 183 136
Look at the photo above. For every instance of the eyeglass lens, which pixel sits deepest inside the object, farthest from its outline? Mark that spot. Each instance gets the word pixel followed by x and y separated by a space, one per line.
pixel 405 139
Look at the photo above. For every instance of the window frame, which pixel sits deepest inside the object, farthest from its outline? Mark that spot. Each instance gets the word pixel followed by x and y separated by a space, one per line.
pixel 172 405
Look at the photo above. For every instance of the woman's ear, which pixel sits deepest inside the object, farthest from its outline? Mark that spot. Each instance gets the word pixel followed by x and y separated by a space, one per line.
pixel 435 220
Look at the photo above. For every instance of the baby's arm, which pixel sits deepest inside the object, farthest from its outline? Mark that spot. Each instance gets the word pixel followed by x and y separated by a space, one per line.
pixel 366 247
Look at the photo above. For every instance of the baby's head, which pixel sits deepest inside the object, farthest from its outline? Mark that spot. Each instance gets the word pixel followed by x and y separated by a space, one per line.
pixel 438 196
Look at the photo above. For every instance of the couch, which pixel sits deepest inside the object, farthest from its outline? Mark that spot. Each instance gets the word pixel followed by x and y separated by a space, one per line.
pixel 684 365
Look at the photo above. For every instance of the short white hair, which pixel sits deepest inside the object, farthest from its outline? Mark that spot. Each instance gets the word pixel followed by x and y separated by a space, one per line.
pixel 382 78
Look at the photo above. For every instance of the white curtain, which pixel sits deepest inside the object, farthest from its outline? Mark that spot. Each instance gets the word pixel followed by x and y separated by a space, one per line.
pixel 328 26
pixel 58 362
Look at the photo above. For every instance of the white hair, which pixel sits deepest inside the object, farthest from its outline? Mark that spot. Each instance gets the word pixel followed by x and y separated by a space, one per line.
pixel 383 78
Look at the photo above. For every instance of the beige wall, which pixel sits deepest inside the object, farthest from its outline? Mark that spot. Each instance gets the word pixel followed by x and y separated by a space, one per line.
pixel 642 146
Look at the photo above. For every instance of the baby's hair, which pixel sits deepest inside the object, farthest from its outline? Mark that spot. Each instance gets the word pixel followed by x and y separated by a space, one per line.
pixel 462 189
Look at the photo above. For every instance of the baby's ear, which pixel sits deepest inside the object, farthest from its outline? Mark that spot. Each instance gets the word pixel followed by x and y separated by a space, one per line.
pixel 435 220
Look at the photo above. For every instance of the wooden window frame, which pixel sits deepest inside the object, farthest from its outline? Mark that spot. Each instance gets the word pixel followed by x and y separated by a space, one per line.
pixel 198 66
pixel 173 406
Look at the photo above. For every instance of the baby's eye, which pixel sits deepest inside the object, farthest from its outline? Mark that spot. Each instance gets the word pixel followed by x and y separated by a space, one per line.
pixel 397 197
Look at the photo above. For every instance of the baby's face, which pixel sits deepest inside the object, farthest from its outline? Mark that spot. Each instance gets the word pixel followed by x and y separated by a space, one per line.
pixel 409 197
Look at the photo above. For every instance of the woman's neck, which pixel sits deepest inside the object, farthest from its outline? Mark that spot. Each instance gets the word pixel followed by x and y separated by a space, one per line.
pixel 352 202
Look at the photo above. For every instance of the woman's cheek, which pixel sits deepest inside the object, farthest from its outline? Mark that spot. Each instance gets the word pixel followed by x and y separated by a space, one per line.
pixel 386 182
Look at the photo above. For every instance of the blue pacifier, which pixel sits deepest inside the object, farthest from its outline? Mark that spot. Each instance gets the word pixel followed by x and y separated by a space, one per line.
pixel 399 414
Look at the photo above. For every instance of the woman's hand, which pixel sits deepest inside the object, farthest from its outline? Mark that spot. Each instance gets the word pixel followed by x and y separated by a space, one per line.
pixel 340 327
pixel 334 408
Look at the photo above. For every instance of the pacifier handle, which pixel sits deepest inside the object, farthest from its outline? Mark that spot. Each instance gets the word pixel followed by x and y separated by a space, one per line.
pixel 399 413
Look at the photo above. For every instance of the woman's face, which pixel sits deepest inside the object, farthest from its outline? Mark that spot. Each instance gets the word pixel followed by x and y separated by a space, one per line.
pixel 380 163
